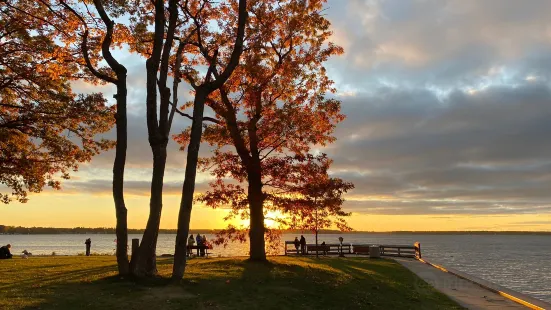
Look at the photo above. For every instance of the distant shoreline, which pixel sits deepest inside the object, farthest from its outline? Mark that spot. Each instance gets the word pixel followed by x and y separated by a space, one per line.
pixel 13 230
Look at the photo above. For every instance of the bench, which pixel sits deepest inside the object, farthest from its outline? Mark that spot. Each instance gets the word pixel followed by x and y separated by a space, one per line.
pixel 190 248
pixel 361 249
pixel 318 248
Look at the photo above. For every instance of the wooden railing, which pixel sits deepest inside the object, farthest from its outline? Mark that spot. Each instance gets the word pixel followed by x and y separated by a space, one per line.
pixel 412 251
pixel 333 248
pixel 397 250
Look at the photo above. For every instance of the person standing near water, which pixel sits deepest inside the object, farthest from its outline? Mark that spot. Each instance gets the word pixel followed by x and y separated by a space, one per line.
pixel 88 243
pixel 190 243
pixel 297 245
pixel 302 244
pixel 199 240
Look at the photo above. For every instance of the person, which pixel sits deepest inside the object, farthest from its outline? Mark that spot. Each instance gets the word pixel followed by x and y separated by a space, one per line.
pixel 199 240
pixel 297 244
pixel 190 243
pixel 88 243
pixel 5 252
pixel 205 241
pixel 203 245
pixel 302 244
pixel 324 248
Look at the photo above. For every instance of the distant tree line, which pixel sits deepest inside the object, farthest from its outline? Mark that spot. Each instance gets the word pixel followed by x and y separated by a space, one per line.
pixel 84 230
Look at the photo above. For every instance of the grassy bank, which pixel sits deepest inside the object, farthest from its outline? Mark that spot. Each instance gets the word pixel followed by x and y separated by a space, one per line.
pixel 217 283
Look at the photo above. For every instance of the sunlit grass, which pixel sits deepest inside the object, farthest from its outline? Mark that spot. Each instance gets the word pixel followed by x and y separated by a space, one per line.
pixel 217 283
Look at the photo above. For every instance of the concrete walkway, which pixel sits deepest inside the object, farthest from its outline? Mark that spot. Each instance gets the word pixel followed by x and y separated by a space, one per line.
pixel 466 293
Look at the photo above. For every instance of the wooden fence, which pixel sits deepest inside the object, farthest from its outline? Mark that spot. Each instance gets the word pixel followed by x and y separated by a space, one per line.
pixel 412 251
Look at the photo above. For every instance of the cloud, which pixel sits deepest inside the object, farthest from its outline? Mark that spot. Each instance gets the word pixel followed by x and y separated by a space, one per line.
pixel 447 104
pixel 132 188
pixel 464 153
pixel 442 43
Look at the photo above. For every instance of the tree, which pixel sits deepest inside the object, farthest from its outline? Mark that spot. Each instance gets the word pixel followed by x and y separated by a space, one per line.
pixel 317 199
pixel 156 29
pixel 46 130
pixel 82 41
pixel 219 57
pixel 116 75
pixel 271 107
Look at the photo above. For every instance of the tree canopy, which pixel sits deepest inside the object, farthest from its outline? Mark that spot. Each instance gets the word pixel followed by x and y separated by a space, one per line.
pixel 46 129
pixel 271 112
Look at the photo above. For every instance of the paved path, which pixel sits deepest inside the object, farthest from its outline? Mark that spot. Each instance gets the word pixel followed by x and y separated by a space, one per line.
pixel 467 294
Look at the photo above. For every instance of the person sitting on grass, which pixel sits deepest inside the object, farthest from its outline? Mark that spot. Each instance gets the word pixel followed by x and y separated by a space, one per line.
pixel 190 243
pixel 297 244
pixel 5 252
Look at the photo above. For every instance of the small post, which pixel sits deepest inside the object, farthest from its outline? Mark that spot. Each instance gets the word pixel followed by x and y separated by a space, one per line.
pixel 417 246
pixel 341 254
pixel 135 245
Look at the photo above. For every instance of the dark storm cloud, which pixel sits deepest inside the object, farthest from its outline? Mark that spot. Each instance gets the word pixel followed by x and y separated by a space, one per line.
pixel 485 152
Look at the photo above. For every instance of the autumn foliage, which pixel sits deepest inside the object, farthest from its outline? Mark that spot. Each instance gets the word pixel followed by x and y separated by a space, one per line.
pixel 271 113
pixel 46 129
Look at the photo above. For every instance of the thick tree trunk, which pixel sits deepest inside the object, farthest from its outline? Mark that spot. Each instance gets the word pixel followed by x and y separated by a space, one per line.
pixel 188 189
pixel 146 263
pixel 257 244
pixel 118 178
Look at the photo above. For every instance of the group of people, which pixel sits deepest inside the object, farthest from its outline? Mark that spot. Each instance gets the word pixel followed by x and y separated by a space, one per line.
pixel 202 244
pixel 300 244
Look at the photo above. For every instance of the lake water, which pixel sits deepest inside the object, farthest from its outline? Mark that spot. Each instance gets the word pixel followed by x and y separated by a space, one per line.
pixel 519 262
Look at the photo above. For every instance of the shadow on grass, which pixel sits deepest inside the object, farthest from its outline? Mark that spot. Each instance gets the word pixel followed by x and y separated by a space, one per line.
pixel 281 283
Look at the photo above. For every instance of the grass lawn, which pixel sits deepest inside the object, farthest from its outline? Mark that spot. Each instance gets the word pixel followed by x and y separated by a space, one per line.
pixel 217 283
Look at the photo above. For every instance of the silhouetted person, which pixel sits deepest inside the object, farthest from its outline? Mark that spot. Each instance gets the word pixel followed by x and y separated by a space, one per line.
pixel 302 244
pixel 199 243
pixel 190 243
pixel 88 243
pixel 297 244
pixel 203 244
pixel 5 252
pixel 324 248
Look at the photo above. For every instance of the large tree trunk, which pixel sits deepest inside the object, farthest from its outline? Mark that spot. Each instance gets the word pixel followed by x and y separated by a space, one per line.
pixel 146 263
pixel 257 245
pixel 118 178
pixel 186 203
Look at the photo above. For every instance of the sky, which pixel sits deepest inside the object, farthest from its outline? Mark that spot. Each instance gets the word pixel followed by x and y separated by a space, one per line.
pixel 448 106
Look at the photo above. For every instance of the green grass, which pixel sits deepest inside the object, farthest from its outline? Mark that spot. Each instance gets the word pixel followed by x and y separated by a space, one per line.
pixel 217 283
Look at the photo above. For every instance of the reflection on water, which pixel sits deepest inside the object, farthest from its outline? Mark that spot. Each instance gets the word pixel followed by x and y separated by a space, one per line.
pixel 519 262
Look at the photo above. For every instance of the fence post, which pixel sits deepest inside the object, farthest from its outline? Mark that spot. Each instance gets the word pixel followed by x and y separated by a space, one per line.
pixel 417 246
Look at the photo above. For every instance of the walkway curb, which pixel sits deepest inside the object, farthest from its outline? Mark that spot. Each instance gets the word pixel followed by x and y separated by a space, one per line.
pixel 515 296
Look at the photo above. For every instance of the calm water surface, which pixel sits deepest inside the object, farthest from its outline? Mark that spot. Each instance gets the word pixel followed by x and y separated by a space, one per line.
pixel 519 262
